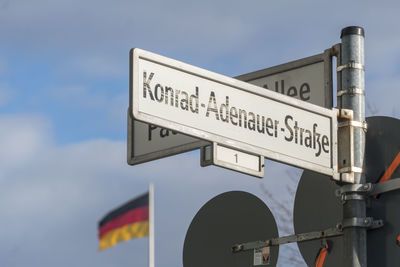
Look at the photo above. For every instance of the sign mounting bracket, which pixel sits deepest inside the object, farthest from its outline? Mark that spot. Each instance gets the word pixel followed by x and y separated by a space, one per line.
pixel 367 222
pixel 346 124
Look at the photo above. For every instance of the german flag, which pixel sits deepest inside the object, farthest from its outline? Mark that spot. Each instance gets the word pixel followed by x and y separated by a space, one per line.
pixel 131 220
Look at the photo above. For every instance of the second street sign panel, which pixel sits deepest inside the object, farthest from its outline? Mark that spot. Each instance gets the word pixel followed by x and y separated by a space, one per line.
pixel 220 109
pixel 308 79
pixel 148 142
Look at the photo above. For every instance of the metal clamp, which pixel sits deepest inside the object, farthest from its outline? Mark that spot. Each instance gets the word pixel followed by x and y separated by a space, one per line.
pixel 350 65
pixel 353 192
pixel 357 124
pixel 346 197
pixel 351 91
pixel 367 222
pixel 368 189
pixel 353 169
pixel 354 188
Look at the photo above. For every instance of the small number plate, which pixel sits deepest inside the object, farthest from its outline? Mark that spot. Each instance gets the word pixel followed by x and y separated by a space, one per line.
pixel 232 159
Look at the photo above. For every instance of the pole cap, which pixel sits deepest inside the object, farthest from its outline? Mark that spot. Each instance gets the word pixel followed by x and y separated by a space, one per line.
pixel 352 30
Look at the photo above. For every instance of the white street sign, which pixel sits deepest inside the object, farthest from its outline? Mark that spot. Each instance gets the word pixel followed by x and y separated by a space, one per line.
pixel 235 114
pixel 308 79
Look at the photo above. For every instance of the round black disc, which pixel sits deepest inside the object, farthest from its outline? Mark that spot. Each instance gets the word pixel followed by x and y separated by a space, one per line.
pixel 228 219
pixel 317 208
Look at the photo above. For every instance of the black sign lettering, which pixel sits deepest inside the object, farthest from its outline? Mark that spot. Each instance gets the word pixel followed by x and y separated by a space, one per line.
pixel 292 130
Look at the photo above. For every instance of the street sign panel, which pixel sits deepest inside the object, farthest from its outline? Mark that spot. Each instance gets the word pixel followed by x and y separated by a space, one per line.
pixel 149 142
pixel 232 159
pixel 308 79
pixel 235 114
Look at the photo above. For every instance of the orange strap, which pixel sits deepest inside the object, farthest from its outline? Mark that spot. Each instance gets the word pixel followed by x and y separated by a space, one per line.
pixel 398 239
pixel 393 166
pixel 321 256
pixel 389 171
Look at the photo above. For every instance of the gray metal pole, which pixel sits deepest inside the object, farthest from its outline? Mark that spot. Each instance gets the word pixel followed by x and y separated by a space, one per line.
pixel 352 79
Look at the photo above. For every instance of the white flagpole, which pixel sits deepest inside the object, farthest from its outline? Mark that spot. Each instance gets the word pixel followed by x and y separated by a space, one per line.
pixel 151 225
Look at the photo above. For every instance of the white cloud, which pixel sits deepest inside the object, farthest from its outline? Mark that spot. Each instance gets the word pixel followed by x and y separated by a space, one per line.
pixel 52 196
pixel 22 139
pixel 107 103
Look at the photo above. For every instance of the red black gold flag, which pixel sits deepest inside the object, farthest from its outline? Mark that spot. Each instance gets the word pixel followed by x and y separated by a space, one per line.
pixel 131 220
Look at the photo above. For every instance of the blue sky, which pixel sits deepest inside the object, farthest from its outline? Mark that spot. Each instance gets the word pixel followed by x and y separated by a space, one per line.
pixel 64 94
